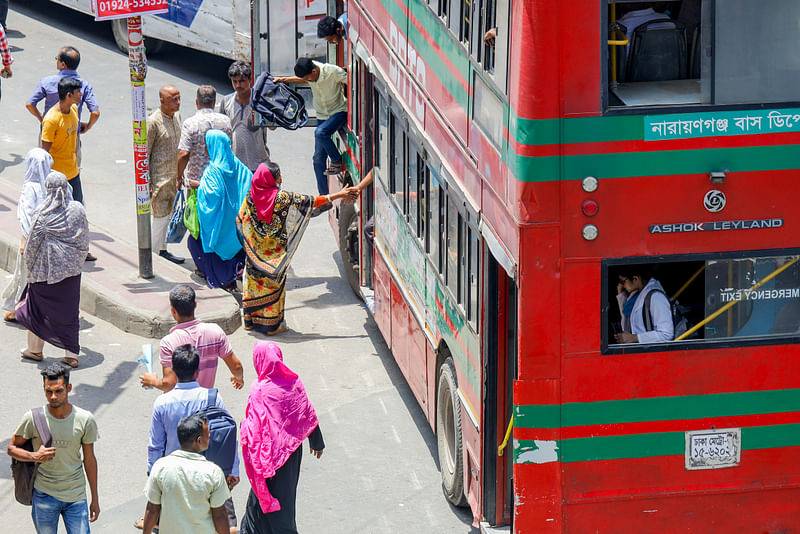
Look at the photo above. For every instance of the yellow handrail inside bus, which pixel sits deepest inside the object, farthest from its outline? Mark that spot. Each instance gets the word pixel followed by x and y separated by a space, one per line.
pixel 618 39
pixel 505 439
pixel 732 303
pixel 688 282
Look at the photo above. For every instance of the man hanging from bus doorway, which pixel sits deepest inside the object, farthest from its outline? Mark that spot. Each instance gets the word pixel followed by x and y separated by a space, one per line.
pixel 655 326
pixel 327 87
pixel 334 31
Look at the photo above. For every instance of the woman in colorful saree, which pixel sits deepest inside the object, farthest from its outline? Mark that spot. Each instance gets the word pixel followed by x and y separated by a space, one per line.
pixel 218 253
pixel 278 418
pixel 271 222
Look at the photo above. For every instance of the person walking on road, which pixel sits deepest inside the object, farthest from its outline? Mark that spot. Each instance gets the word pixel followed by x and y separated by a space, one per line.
pixel 67 61
pixel 5 56
pixel 187 491
pixel 60 484
pixel 218 253
pixel 327 87
pixel 187 398
pixel 54 255
pixel 192 153
pixel 208 338
pixel 38 164
pixel 249 139
pixel 163 135
pixel 278 418
pixel 271 222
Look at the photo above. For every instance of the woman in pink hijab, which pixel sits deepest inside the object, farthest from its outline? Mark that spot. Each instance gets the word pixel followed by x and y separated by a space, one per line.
pixel 278 418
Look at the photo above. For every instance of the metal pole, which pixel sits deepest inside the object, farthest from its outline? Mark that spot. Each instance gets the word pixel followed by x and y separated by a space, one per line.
pixel 138 69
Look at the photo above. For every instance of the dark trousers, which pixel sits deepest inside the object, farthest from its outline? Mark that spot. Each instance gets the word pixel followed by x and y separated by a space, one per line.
pixel 77 190
pixel 3 13
pixel 283 486
pixel 324 147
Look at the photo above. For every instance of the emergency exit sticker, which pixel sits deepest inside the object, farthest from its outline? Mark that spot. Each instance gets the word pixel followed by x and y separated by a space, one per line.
pixel 713 449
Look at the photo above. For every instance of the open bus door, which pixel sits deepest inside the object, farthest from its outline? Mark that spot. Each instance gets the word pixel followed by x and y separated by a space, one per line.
pixel 500 371
pixel 285 30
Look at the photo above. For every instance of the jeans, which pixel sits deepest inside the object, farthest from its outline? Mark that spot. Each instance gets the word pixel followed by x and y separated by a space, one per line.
pixel 325 148
pixel 46 511
pixel 77 190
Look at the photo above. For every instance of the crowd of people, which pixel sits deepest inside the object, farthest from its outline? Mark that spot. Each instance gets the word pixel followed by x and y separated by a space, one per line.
pixel 247 229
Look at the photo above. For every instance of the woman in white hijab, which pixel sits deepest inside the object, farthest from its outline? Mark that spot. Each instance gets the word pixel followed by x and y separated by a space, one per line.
pixel 38 163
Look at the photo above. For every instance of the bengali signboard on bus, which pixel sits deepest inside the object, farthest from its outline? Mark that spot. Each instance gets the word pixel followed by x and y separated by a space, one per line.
pixel 118 9
pixel 721 123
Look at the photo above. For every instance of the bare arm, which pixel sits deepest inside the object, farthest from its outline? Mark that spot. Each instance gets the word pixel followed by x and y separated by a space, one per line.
pixel 93 116
pixel 15 450
pixel 164 384
pixel 151 514
pixel 183 160
pixel 220 518
pixel 46 145
pixel 34 111
pixel 289 79
pixel 363 184
pixel 236 369
pixel 90 466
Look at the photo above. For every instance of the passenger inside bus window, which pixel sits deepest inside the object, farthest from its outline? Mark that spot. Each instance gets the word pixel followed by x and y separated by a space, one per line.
pixel 649 316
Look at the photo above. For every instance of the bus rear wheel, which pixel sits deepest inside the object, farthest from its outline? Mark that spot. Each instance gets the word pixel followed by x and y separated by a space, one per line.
pixel 119 27
pixel 448 435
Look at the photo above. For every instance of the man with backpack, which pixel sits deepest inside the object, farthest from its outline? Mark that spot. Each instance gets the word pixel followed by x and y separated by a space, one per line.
pixel 327 87
pixel 651 316
pixel 59 488
pixel 249 139
pixel 188 398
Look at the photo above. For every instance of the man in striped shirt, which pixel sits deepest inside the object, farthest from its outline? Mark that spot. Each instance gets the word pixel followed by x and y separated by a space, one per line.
pixel 208 338
pixel 5 55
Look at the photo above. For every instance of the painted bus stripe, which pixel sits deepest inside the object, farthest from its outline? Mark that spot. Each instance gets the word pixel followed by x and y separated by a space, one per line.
pixel 656 409
pixel 654 444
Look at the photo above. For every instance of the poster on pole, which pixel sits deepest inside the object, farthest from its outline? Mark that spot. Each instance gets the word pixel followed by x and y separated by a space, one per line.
pixel 120 9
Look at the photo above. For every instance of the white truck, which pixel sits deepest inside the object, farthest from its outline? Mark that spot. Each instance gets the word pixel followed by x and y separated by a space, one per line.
pixel 222 28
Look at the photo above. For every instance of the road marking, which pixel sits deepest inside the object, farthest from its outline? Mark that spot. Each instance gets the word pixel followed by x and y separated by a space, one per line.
pixel 415 480
pixel 383 405
pixel 396 435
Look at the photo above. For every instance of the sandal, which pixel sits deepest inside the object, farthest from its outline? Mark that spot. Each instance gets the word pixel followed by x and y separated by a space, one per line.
pixel 10 317
pixel 71 362
pixel 139 523
pixel 35 356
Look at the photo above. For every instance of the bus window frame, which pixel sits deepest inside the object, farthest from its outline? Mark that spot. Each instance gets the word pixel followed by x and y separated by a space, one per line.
pixel 662 108
pixel 700 344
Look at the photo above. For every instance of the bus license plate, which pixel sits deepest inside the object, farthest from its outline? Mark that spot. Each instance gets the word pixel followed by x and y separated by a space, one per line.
pixel 713 449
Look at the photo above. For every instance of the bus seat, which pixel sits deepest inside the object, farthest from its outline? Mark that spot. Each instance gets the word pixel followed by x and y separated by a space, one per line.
pixel 658 54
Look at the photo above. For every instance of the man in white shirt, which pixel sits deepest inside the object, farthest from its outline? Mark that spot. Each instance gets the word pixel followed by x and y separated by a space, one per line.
pixel 327 86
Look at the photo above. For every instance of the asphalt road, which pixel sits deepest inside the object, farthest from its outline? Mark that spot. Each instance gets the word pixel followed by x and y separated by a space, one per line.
pixel 379 472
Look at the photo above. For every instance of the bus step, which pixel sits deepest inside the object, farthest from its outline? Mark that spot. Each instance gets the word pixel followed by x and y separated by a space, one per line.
pixel 369 298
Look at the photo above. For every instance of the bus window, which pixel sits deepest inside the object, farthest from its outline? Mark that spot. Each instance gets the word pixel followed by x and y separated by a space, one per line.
pixel 474 277
pixel 466 15
pixel 692 52
pixel 720 298
pixel 461 297
pixel 452 246
pixel 382 159
pixel 416 197
pixel 434 226
pixel 412 192
pixel 487 112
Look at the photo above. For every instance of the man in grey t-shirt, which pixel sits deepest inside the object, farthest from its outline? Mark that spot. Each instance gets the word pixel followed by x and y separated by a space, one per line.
pixel 60 485
pixel 249 140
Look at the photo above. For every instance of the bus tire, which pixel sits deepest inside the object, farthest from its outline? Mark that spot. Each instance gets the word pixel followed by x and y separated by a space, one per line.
pixel 348 246
pixel 448 434
pixel 119 28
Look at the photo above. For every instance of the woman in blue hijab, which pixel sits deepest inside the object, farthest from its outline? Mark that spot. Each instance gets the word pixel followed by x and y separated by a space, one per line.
pixel 218 254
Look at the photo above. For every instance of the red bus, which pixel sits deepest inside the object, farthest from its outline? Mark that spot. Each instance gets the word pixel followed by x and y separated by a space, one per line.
pixel 521 186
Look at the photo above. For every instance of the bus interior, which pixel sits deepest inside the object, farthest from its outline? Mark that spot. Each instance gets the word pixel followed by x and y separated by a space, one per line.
pixel 701 52
pixel 759 295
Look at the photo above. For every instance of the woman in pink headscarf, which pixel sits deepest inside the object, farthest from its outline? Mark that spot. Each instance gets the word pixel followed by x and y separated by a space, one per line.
pixel 271 222
pixel 278 418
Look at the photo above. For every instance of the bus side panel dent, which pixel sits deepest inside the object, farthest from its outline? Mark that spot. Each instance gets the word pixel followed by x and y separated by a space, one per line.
pixel 537 467
pixel 539 335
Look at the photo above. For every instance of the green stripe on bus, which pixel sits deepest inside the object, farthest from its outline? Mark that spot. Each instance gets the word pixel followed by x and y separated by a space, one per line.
pixel 656 409
pixel 576 129
pixel 663 163
pixel 654 444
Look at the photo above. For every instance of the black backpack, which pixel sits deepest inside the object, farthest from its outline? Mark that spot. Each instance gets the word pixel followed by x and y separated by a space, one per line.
pixel 24 473
pixel 278 104
pixel 680 323
pixel 222 427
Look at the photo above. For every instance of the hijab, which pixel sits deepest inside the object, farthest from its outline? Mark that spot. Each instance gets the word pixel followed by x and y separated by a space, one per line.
pixel 223 188
pixel 278 418
pixel 59 238
pixel 264 191
pixel 38 163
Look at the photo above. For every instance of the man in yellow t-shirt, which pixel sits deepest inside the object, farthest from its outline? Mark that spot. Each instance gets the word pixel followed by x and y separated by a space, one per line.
pixel 60 136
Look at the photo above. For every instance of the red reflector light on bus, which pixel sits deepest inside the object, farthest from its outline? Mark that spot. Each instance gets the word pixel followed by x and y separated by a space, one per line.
pixel 590 208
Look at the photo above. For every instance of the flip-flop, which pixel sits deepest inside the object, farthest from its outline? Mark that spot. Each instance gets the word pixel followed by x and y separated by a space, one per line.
pixel 9 317
pixel 139 523
pixel 35 356
pixel 71 362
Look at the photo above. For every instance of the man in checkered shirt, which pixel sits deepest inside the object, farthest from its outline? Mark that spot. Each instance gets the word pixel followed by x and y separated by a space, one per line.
pixel 5 55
